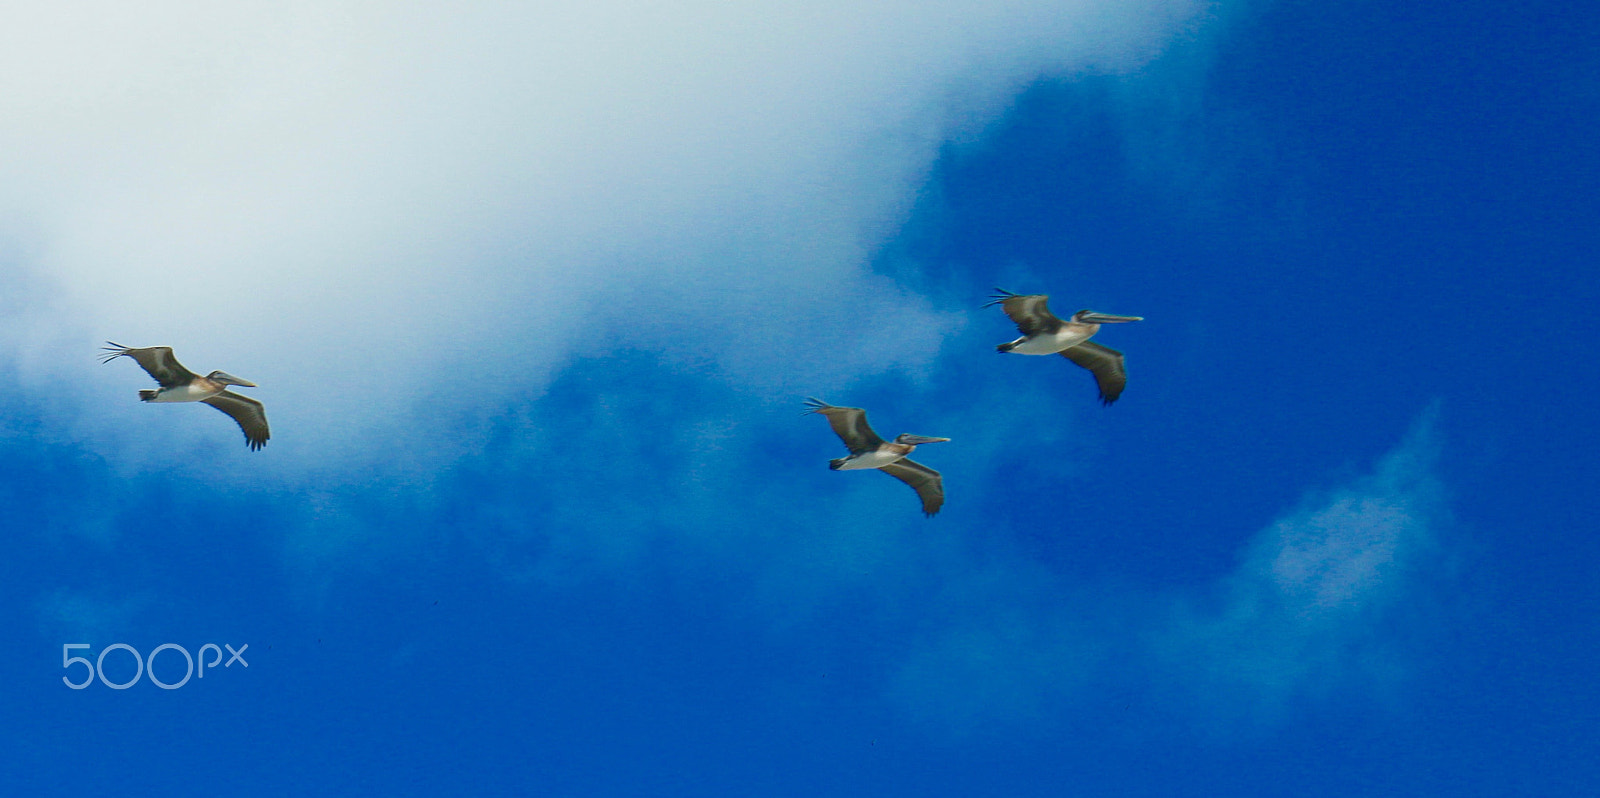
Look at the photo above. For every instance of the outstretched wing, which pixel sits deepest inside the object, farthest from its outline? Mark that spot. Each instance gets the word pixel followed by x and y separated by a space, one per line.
pixel 1029 312
pixel 926 481
pixel 1106 365
pixel 248 412
pixel 849 423
pixel 157 361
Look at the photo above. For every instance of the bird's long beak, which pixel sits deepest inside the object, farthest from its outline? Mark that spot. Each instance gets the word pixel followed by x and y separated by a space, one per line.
pixel 228 379
pixel 1109 318
pixel 918 440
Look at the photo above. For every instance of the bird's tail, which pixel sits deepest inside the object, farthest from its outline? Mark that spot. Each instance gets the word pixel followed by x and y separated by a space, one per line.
pixel 836 464
pixel 1005 347
pixel 147 395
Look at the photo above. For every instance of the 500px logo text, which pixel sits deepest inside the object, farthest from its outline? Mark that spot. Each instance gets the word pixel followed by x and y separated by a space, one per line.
pixel 97 668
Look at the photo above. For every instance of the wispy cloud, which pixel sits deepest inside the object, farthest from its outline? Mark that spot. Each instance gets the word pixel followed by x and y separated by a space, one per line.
pixel 71 616
pixel 1309 610
pixel 1320 605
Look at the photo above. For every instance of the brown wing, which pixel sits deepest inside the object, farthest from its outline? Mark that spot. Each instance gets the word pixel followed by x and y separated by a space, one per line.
pixel 849 423
pixel 926 481
pixel 1106 365
pixel 248 412
pixel 157 361
pixel 1029 312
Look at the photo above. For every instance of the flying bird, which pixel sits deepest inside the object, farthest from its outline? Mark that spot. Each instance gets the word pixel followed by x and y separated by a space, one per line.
pixel 867 450
pixel 1044 334
pixel 179 384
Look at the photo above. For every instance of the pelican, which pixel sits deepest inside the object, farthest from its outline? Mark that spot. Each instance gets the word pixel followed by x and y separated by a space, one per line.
pixel 179 384
pixel 867 450
pixel 1044 334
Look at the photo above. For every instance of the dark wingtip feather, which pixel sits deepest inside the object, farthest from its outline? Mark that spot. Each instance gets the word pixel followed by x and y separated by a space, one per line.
pixel 1000 295
pixel 113 351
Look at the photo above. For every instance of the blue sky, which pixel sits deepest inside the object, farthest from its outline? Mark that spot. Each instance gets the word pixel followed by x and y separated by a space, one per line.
pixel 533 299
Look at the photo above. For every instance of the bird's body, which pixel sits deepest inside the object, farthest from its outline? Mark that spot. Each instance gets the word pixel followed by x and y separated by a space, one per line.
pixel 874 458
pixel 179 384
pixel 199 390
pixel 1044 334
pixel 1068 335
pixel 867 450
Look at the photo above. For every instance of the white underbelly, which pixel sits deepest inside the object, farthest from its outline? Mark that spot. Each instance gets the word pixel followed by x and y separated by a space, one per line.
pixel 1049 344
pixel 184 393
pixel 873 459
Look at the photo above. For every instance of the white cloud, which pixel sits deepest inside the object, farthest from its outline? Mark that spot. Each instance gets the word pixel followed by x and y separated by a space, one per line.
pixel 1320 605
pixel 340 200
pixel 1308 610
